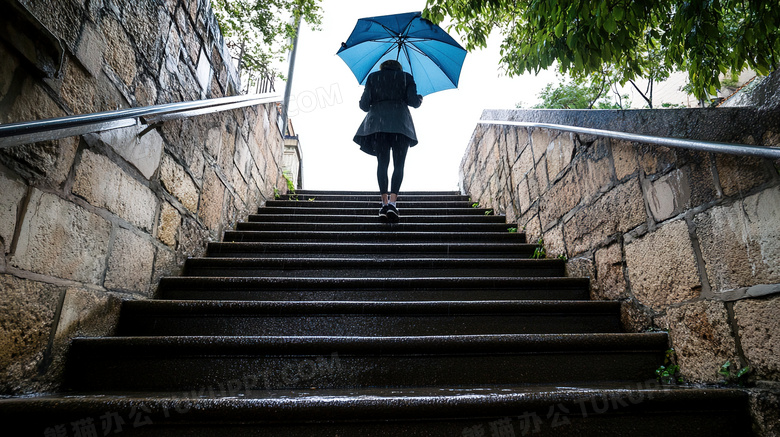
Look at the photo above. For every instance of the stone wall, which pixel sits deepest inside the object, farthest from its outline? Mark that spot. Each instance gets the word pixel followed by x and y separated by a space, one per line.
pixel 687 240
pixel 88 221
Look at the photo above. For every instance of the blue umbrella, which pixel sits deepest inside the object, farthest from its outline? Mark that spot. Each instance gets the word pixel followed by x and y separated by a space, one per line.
pixel 423 49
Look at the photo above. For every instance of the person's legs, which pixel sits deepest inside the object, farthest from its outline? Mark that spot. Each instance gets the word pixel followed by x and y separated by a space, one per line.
pixel 382 150
pixel 399 158
pixel 400 147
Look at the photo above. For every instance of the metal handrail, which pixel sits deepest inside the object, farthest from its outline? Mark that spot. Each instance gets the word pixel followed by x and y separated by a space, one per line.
pixel 14 134
pixel 703 146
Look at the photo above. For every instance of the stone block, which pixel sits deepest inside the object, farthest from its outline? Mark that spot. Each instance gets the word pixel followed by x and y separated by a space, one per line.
pixel 739 242
pixel 759 334
pixel 169 223
pixel 610 276
pixel 540 140
pixel 523 201
pixel 78 89
pixel 525 161
pixel 563 196
pixel 656 159
pixel 559 155
pixel 617 211
pixel 662 266
pixel 580 267
pixel 145 91
pixel 165 264
pixel 592 176
pixel 522 143
pixel 634 317
pixel 542 182
pixel 553 242
pixel 146 23
pixel 192 239
pixel 702 339
pixel 119 55
pixel 12 193
pixel 624 156
pixel 28 309
pixel 143 153
pixel 32 103
pixel 90 49
pixel 105 185
pixel 243 159
pixel 212 204
pixel 64 20
pixel 61 239
pixel 702 182
pixel 176 180
pixel 130 263
pixel 739 174
pixel 669 195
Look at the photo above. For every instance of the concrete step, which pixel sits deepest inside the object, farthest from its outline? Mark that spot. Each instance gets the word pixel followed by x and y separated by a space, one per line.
pixel 370 250
pixel 374 268
pixel 372 289
pixel 228 408
pixel 365 319
pixel 187 362
pixel 376 226
pixel 371 216
pixel 389 237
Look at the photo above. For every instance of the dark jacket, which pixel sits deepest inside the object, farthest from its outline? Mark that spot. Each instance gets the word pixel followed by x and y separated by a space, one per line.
pixel 387 97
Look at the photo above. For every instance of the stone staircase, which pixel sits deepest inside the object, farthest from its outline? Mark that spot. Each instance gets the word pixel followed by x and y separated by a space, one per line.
pixel 314 318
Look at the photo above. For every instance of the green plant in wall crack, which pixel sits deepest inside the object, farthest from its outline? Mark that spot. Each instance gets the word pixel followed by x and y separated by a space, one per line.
pixel 277 195
pixel 731 375
pixel 489 212
pixel 512 230
pixel 669 373
pixel 540 252
pixel 475 205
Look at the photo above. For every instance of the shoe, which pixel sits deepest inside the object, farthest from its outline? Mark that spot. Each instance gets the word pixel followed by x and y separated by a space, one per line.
pixel 383 211
pixel 392 213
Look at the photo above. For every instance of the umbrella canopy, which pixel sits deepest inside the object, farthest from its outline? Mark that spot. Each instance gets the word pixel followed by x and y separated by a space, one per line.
pixel 423 49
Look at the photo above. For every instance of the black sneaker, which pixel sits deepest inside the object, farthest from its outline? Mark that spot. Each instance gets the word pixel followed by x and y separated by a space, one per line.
pixel 383 211
pixel 392 213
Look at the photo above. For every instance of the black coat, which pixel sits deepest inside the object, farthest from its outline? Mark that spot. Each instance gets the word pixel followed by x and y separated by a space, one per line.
pixel 387 97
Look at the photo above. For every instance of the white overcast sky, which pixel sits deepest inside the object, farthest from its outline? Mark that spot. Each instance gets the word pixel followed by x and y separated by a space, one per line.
pixel 325 113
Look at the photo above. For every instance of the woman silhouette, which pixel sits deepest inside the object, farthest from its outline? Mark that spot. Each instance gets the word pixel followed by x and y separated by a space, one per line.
pixel 388 127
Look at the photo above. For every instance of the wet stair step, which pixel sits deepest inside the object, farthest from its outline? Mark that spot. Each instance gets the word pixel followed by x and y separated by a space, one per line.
pixel 186 362
pixel 369 249
pixel 372 289
pixel 229 409
pixel 305 209
pixel 371 216
pixel 374 268
pixel 376 226
pixel 379 319
pixel 375 237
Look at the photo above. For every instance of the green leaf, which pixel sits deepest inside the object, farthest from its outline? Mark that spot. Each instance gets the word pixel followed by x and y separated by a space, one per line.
pixel 618 13
pixel 559 29
pixel 610 25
